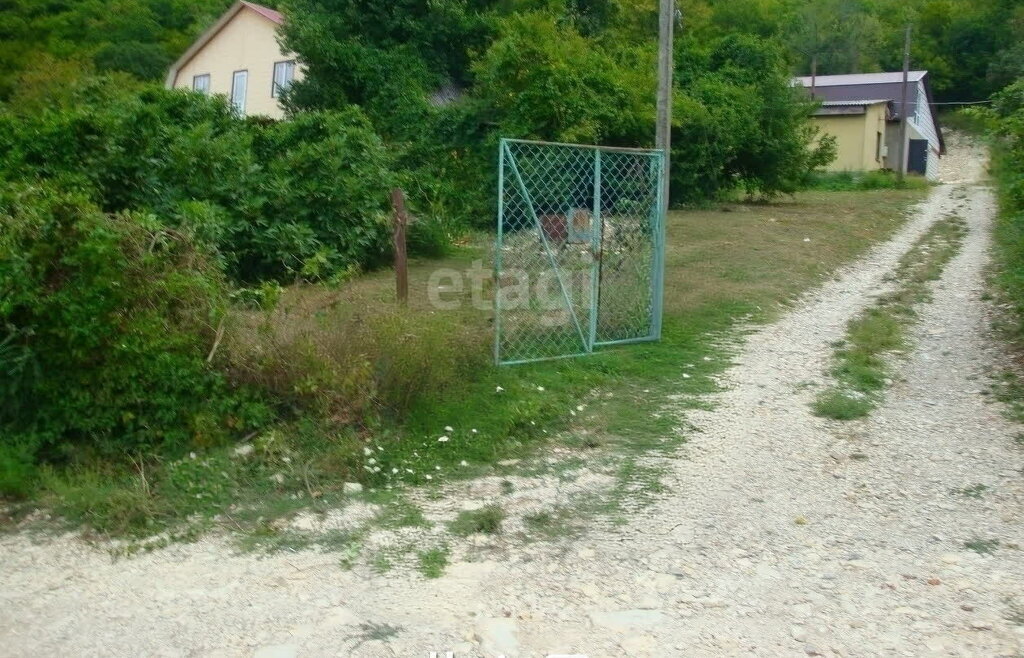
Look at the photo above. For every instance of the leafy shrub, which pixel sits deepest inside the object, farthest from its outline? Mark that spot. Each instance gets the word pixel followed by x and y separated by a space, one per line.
pixel 1006 119
pixel 543 80
pixel 299 199
pixel 18 471
pixel 851 181
pixel 105 324
pixel 323 199
pixel 740 123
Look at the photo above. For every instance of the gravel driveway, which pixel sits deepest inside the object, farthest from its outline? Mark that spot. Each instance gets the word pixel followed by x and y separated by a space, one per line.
pixel 782 534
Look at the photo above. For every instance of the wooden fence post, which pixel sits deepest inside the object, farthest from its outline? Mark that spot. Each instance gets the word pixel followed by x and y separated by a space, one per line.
pixel 401 259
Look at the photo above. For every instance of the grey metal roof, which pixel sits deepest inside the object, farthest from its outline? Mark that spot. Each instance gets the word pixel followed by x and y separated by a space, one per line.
pixel 887 77
pixel 873 101
pixel 852 107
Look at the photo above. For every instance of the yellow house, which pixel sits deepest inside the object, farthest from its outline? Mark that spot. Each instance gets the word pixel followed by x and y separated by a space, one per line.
pixel 240 58
pixel 859 127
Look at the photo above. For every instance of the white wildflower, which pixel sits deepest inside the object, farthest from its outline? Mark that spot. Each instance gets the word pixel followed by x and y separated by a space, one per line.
pixel 437 468
pixel 448 428
pixel 473 431
pixel 498 389
pixel 443 439
pixel 540 388
pixel 429 477
pixel 371 460
pixel 395 471
pixel 463 463
pixel 579 407
pixel 367 452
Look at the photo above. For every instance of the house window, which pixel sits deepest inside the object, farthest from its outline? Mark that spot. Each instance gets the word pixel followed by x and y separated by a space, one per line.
pixel 239 82
pixel 284 73
pixel 201 83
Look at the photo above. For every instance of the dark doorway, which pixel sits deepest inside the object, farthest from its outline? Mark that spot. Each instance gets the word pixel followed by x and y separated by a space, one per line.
pixel 917 158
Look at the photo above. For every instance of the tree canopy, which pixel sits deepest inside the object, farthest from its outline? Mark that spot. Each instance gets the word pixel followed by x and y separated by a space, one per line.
pixel 971 47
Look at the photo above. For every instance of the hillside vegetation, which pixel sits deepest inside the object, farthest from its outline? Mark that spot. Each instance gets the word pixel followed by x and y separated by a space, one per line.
pixel 1006 122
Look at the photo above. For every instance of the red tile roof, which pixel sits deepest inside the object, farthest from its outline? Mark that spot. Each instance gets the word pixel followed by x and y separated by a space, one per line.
pixel 266 12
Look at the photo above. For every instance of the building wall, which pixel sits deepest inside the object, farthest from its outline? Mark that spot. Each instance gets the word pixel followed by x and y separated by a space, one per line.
pixel 920 125
pixel 892 140
pixel 247 42
pixel 856 139
pixel 874 137
pixel 924 124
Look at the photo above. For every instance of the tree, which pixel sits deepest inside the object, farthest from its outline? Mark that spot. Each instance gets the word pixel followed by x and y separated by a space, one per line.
pixel 738 121
pixel 543 80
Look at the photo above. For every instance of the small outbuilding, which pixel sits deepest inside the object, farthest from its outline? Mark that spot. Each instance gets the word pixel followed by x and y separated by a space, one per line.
pixel 862 111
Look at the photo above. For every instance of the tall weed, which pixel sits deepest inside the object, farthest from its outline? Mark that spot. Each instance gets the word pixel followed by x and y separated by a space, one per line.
pixel 350 361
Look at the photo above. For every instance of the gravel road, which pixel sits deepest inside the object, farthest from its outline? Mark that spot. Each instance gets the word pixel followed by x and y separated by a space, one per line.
pixel 781 534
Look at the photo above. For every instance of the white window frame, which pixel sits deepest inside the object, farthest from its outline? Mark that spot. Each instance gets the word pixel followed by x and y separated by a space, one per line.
pixel 239 102
pixel 201 88
pixel 287 65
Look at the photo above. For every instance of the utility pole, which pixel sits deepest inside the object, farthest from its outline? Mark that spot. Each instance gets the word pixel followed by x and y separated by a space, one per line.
pixel 814 59
pixel 901 169
pixel 814 73
pixel 663 131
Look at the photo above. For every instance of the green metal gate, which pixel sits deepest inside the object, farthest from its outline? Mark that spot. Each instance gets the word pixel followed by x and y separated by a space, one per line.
pixel 579 260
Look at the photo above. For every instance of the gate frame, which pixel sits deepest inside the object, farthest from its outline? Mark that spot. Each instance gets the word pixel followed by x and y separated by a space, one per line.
pixel 659 213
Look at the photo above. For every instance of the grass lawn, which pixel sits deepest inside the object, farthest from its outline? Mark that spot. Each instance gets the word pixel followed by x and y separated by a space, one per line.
pixel 410 396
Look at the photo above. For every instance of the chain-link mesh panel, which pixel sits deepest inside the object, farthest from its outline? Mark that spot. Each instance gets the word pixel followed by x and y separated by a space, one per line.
pixel 630 240
pixel 579 249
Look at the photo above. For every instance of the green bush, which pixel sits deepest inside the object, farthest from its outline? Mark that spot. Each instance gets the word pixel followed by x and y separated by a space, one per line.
pixel 106 321
pixel 739 123
pixel 1006 120
pixel 543 80
pixel 852 181
pixel 299 199
pixel 322 201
